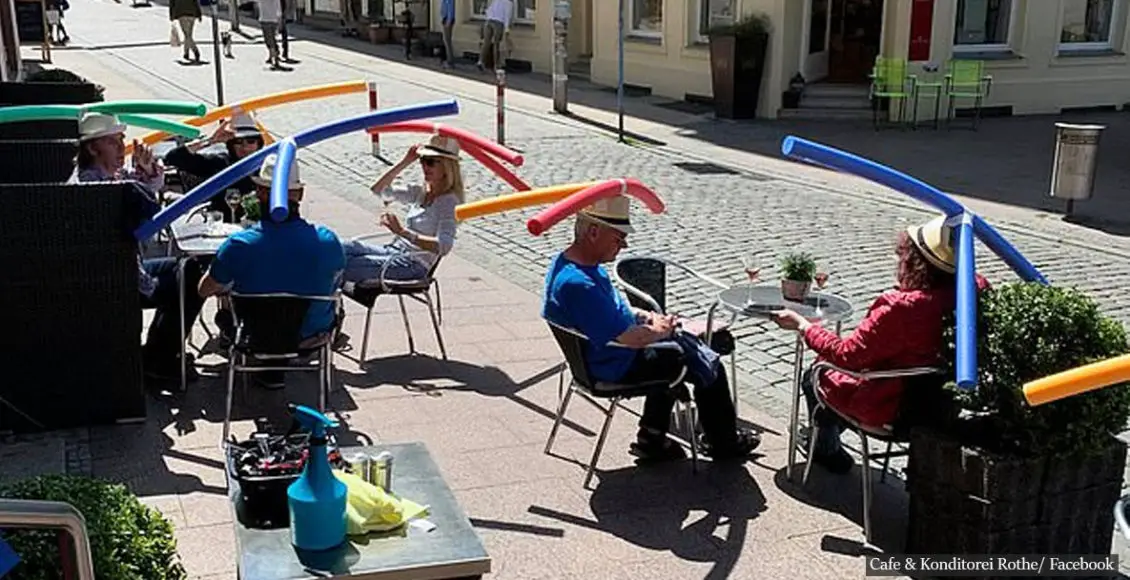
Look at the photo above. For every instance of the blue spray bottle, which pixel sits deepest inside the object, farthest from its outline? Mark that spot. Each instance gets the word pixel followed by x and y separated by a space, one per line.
pixel 317 499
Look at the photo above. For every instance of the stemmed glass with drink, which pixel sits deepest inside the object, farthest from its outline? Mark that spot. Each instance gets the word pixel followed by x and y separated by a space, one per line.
pixel 752 268
pixel 233 198
pixel 821 279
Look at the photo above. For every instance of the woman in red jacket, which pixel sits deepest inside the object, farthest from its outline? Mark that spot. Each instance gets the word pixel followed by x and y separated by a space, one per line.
pixel 903 328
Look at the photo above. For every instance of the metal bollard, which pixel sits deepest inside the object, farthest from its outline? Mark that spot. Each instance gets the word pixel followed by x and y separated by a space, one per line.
pixel 500 120
pixel 375 138
pixel 562 13
pixel 1076 157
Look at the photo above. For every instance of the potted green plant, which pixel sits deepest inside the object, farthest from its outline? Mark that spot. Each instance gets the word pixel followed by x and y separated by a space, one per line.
pixel 251 210
pixel 128 540
pixel 1007 478
pixel 797 272
pixel 737 60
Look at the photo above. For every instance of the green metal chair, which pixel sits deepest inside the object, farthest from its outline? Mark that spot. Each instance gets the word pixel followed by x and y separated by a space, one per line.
pixel 890 80
pixel 966 79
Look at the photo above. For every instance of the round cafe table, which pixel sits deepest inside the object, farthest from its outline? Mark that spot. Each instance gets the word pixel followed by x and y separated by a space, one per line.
pixel 760 301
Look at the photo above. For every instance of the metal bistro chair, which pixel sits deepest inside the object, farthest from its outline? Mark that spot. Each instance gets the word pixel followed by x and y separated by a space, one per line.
pixel 921 398
pixel 268 330
pixel 572 345
pixel 367 292
pixel 644 279
pixel 966 79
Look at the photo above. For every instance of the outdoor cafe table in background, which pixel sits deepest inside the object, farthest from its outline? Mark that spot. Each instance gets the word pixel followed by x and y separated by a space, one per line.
pixel 761 301
pixel 452 550
pixel 194 239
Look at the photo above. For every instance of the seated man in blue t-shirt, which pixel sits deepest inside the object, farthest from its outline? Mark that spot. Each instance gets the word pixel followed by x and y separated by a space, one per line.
pixel 579 294
pixel 293 257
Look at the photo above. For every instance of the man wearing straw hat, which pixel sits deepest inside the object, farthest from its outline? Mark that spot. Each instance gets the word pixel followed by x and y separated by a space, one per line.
pixel 241 137
pixel 101 157
pixel 580 295
pixel 293 256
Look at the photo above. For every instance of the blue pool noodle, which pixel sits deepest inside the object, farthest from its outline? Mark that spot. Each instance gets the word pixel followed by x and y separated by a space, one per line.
pixel 966 304
pixel 280 192
pixel 249 164
pixel 831 157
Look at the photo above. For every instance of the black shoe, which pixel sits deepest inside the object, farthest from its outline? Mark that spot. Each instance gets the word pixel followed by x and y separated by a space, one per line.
pixel 655 448
pixel 341 343
pixel 168 370
pixel 742 446
pixel 837 462
pixel 270 380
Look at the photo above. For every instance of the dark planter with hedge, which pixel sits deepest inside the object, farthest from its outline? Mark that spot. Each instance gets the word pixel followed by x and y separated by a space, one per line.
pixel 1006 478
pixel 47 87
pixel 737 63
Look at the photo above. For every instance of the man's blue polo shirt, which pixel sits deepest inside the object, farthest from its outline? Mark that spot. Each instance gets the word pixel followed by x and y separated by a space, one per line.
pixel 584 299
pixel 295 257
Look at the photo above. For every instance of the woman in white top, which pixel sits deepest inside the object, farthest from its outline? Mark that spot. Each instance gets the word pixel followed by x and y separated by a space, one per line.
pixel 430 230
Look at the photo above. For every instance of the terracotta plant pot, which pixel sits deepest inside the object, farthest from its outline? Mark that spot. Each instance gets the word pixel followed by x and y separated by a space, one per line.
pixel 795 290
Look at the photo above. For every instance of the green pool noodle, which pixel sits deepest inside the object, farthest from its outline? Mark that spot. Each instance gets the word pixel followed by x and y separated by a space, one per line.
pixel 159 124
pixel 39 113
pixel 148 108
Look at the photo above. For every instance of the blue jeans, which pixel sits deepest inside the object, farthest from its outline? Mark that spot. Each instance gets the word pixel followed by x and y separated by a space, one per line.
pixel 828 441
pixel 366 262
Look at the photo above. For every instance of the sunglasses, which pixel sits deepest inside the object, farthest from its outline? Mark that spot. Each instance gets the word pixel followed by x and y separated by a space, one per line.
pixel 245 141
pixel 429 161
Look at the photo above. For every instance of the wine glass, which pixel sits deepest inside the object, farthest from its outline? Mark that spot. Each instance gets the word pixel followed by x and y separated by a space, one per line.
pixel 752 268
pixel 387 196
pixel 821 279
pixel 233 198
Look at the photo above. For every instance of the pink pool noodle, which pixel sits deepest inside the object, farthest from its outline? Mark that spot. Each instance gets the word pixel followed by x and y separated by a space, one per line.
pixel 549 217
pixel 499 169
pixel 461 135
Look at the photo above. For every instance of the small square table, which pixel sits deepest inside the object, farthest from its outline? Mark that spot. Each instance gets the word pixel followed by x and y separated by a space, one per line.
pixel 451 551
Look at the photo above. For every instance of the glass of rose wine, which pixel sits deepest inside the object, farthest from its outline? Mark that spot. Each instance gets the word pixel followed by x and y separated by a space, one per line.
pixel 752 268
pixel 821 279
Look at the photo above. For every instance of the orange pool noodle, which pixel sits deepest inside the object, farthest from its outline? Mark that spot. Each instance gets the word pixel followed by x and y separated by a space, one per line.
pixel 519 200
pixel 1078 380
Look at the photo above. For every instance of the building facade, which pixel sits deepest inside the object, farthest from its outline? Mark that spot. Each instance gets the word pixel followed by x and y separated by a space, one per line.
pixel 1044 55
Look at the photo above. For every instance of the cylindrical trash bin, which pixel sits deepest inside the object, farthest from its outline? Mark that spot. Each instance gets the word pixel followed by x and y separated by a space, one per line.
pixel 1076 156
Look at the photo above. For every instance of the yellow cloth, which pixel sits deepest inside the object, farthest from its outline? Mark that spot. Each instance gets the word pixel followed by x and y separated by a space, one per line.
pixel 371 509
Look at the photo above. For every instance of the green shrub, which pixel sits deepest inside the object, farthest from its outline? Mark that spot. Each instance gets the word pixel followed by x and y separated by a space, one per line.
pixel 58 75
pixel 251 207
pixel 749 26
pixel 129 541
pixel 1027 331
pixel 800 267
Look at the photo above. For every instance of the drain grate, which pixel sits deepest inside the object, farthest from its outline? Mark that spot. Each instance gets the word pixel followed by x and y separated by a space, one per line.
pixel 704 168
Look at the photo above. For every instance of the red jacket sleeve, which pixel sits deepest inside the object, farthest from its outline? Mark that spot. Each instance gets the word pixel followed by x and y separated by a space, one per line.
pixel 877 338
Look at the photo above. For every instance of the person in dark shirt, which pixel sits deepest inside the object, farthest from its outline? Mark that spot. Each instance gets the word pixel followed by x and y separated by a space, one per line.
pixel 241 136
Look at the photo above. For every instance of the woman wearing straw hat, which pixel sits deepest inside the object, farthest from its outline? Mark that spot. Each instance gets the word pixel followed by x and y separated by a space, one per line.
pixel 241 137
pixel 429 231
pixel 902 329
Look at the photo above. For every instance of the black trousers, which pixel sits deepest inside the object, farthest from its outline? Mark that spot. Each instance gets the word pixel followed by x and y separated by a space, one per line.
pixel 715 407
pixel 162 346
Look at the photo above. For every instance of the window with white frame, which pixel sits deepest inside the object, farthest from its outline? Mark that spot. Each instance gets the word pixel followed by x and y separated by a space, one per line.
pixel 524 10
pixel 646 17
pixel 982 25
pixel 1087 24
pixel 712 13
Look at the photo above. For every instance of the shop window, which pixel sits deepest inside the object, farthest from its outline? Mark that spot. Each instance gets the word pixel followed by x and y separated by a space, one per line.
pixel 982 25
pixel 524 10
pixel 711 13
pixel 1088 24
pixel 646 18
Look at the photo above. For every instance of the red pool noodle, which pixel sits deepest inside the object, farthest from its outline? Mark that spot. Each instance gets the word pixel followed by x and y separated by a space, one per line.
pixel 549 216
pixel 461 135
pixel 499 169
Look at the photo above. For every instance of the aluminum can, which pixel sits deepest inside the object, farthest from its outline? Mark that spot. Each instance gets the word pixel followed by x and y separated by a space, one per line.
pixel 382 471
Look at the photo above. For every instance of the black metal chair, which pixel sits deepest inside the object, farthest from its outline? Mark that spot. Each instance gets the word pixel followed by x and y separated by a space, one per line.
pixel 572 345
pixel 644 279
pixel 268 332
pixel 367 292
pixel 923 401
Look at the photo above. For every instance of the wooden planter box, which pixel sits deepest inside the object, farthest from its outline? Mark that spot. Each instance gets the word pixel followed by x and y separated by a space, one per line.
pixel 736 68
pixel 965 501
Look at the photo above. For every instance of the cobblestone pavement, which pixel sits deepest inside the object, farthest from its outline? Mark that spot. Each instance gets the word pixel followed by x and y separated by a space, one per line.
pixel 712 218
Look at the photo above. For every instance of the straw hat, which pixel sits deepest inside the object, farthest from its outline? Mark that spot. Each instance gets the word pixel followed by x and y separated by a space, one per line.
pixel 440 146
pixel 935 240
pixel 243 124
pixel 97 125
pixel 610 212
pixel 267 171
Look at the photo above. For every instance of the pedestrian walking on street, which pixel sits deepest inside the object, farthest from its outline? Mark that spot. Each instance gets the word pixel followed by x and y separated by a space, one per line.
pixel 186 13
pixel 447 18
pixel 270 12
pixel 500 14
pixel 289 14
pixel 349 9
pixel 55 10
